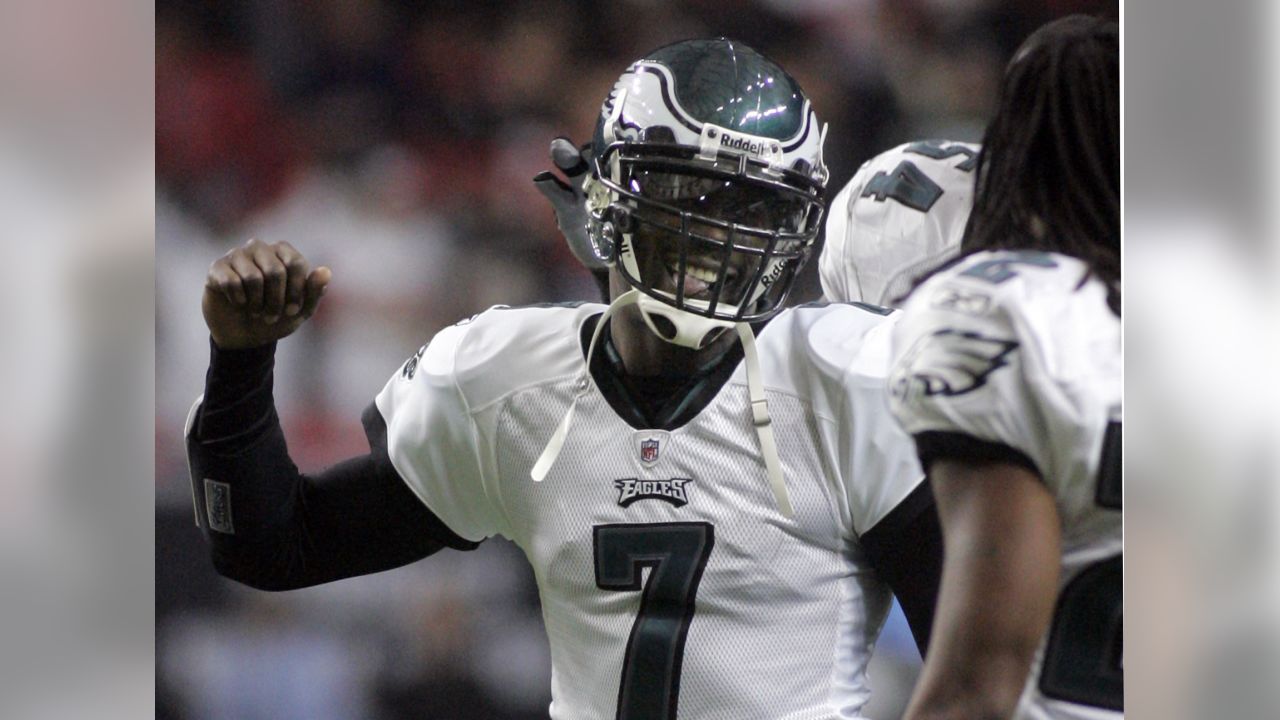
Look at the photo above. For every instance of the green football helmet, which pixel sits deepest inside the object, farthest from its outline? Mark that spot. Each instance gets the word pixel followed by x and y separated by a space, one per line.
pixel 707 186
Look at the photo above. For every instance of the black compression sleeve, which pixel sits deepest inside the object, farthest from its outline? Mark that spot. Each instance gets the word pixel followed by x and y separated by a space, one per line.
pixel 270 526
pixel 237 407
pixel 905 548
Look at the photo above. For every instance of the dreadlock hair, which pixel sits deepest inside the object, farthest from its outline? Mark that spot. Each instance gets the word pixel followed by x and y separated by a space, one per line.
pixel 1048 173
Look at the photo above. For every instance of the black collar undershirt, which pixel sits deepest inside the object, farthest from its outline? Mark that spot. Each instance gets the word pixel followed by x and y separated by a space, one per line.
pixel 660 402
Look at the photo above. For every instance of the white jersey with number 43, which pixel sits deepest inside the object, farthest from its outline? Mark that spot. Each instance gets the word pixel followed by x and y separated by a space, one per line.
pixel 1008 353
pixel 671 585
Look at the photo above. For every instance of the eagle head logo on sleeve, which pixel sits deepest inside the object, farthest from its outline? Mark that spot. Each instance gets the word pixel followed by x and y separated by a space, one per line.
pixel 411 365
pixel 949 362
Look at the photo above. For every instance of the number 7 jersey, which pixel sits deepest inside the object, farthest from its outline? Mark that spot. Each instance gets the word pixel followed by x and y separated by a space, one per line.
pixel 1014 355
pixel 672 587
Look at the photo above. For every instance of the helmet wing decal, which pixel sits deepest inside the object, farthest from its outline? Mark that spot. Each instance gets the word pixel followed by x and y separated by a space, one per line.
pixel 666 81
pixel 804 129
pixel 668 98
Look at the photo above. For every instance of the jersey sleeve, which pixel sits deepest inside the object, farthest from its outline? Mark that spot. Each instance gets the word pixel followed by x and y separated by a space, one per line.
pixel 963 377
pixel 880 467
pixel 835 272
pixel 432 439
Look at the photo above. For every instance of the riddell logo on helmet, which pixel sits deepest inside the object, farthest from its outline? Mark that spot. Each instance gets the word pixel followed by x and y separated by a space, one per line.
pixel 721 140
pixel 740 143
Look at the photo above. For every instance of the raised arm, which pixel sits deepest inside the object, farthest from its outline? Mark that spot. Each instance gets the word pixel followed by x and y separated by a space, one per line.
pixel 268 525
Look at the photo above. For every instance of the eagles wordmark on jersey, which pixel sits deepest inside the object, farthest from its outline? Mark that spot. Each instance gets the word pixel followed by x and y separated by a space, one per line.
pixel 633 489
pixel 1011 350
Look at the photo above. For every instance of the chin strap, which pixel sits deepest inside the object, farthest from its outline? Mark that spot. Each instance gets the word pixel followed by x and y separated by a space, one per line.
pixel 764 424
pixel 755 389
pixel 554 445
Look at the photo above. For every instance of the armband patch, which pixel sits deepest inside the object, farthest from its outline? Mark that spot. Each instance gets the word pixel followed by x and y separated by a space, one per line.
pixel 217 504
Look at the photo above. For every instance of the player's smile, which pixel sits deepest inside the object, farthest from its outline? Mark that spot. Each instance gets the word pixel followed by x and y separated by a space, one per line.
pixel 658 251
pixel 701 273
pixel 703 263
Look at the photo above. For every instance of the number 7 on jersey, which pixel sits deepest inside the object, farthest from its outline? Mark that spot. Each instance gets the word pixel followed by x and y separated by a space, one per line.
pixel 676 554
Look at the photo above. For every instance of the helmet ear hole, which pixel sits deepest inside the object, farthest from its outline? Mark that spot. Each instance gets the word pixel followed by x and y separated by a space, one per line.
pixel 623 220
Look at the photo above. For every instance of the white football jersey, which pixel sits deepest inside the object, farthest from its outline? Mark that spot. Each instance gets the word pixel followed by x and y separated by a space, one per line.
pixel 671 585
pixel 902 214
pixel 1010 349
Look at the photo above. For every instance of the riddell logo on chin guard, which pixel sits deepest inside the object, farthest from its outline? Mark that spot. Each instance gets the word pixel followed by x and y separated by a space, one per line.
pixel 773 275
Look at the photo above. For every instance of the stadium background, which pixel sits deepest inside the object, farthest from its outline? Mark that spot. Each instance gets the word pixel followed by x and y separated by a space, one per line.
pixel 394 142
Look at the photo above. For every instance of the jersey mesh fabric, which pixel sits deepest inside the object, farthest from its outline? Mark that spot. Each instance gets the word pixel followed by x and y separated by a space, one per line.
pixel 785 611
pixel 778 603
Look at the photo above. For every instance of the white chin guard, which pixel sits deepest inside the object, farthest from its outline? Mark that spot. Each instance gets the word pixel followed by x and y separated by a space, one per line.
pixel 679 327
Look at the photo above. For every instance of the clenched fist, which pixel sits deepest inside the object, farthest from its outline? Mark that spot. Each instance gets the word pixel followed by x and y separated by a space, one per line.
pixel 260 292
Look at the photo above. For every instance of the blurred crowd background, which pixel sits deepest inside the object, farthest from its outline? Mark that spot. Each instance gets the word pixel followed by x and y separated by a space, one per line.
pixel 395 142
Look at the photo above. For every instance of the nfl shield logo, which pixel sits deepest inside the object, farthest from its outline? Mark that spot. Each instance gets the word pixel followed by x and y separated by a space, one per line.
pixel 649 443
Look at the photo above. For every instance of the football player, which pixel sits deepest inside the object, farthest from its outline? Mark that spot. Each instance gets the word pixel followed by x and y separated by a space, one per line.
pixel 711 490
pixel 901 215
pixel 1007 373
